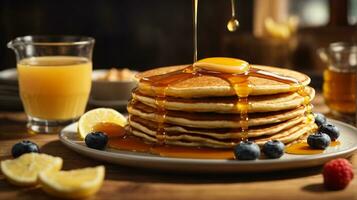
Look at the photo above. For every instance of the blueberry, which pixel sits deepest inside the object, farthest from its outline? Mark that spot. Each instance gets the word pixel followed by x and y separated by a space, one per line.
pixel 319 140
pixel 273 149
pixel 247 151
pixel 320 119
pixel 96 140
pixel 331 130
pixel 23 147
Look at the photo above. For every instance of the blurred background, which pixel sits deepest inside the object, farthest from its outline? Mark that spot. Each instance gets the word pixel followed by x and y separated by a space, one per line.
pixel 141 34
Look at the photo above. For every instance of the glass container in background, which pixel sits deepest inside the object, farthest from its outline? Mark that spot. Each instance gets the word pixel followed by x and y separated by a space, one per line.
pixel 339 87
pixel 54 75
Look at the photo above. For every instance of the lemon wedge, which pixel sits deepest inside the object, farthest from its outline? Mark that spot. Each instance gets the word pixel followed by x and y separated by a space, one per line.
pixel 100 115
pixel 24 170
pixel 72 184
pixel 223 64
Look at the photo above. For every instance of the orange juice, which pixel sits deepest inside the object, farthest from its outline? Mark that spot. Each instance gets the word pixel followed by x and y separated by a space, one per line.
pixel 54 87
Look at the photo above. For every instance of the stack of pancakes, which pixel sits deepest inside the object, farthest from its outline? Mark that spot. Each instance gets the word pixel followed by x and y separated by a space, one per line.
pixel 201 111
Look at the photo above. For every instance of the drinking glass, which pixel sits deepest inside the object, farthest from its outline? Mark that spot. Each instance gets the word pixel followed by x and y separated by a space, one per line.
pixel 339 87
pixel 54 75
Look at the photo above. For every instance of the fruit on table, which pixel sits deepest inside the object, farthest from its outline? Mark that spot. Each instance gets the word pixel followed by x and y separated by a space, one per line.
pixel 72 184
pixel 273 149
pixel 247 150
pixel 319 140
pixel 331 130
pixel 320 119
pixel 24 170
pixel 23 147
pixel 96 140
pixel 100 115
pixel 337 174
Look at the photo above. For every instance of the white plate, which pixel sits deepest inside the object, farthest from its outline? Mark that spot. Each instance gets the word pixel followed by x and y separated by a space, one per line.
pixel 348 145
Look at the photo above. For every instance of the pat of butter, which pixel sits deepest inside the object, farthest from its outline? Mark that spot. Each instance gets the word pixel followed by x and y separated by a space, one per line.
pixel 223 64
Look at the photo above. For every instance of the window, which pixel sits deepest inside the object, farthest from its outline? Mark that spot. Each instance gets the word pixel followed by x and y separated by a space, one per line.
pixel 352 12
pixel 310 12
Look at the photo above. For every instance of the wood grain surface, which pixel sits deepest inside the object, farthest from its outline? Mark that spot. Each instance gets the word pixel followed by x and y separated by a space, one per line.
pixel 133 183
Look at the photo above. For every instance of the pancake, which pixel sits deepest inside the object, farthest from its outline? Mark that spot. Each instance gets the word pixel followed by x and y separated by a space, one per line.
pixel 285 136
pixel 208 86
pixel 228 105
pixel 150 128
pixel 178 106
pixel 213 120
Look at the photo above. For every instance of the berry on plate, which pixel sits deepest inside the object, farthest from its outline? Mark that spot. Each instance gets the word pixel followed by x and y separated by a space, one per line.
pixel 331 130
pixel 319 140
pixel 337 174
pixel 320 119
pixel 273 149
pixel 96 140
pixel 247 150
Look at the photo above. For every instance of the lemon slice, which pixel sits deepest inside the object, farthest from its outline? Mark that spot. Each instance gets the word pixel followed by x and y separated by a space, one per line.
pixel 100 115
pixel 78 183
pixel 24 170
pixel 223 64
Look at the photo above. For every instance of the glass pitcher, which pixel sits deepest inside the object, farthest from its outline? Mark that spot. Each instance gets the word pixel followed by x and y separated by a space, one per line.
pixel 54 75
pixel 339 87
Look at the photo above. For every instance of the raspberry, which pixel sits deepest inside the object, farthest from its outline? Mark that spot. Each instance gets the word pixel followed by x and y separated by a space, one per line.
pixel 337 174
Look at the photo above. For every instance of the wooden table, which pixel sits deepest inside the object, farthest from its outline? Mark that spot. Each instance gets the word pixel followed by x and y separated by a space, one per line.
pixel 132 183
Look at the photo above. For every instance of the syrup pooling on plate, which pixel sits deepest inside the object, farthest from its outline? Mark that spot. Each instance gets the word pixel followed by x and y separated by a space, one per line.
pixel 302 148
pixel 122 141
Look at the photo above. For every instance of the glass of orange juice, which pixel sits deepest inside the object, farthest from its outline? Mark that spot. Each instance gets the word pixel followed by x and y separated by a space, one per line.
pixel 54 75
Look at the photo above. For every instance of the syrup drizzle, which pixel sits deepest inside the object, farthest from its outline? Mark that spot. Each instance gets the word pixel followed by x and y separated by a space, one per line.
pixel 195 47
pixel 233 23
pixel 308 106
pixel 238 82
pixel 131 103
pixel 161 83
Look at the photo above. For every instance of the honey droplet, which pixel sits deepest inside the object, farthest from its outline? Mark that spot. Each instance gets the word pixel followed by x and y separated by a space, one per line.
pixel 310 118
pixel 232 24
